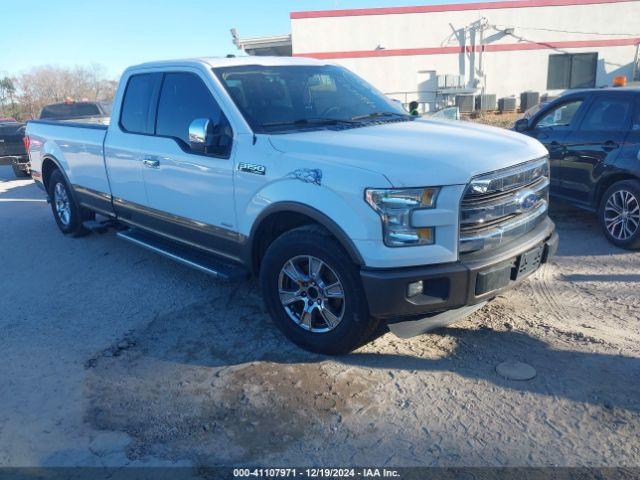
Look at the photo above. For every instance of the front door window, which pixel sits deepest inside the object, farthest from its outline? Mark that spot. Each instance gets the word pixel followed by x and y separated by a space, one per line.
pixel 561 116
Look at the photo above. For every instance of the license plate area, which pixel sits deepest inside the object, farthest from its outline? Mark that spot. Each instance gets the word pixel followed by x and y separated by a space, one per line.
pixel 528 262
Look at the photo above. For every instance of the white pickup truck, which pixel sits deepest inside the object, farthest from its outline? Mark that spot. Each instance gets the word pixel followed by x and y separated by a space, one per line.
pixel 349 210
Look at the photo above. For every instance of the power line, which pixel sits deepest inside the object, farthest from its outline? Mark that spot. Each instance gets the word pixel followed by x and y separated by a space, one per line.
pixel 565 31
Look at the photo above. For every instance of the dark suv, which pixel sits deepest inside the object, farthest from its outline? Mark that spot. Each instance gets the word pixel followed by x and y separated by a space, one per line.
pixel 593 138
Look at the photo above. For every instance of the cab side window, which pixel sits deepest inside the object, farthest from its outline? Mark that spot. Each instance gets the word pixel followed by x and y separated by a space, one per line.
pixel 561 116
pixel 608 114
pixel 183 98
pixel 137 106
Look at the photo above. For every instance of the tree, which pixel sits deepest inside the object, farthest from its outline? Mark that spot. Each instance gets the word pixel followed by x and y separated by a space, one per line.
pixel 7 97
pixel 28 92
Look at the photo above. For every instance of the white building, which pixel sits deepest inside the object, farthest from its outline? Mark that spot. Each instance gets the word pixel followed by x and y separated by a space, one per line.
pixel 427 53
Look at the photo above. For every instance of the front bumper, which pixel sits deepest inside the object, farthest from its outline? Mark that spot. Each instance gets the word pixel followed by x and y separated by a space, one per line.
pixel 472 280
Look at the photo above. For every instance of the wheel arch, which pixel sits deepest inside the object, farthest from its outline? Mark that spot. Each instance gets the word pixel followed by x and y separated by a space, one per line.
pixel 287 215
pixel 606 182
pixel 49 164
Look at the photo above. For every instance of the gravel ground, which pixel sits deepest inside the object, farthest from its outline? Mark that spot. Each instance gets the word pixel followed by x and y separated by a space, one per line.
pixel 115 356
pixel 496 119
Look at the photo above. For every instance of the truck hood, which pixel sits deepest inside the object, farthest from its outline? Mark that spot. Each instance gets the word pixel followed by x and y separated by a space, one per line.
pixel 416 153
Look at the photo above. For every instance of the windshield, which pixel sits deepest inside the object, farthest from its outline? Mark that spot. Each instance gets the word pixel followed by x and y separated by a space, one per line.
pixel 286 98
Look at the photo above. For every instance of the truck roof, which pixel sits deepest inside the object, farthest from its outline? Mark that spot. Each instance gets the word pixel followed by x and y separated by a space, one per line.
pixel 628 88
pixel 233 61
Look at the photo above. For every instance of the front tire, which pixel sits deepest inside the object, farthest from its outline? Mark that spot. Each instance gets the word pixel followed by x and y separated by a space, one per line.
pixel 313 292
pixel 619 214
pixel 68 214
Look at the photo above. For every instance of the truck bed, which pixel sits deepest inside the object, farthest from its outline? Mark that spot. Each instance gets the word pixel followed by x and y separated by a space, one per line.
pixel 78 148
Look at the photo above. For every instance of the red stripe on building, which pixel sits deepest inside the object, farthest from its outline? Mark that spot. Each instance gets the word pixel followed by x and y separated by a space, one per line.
pixel 448 8
pixel 501 47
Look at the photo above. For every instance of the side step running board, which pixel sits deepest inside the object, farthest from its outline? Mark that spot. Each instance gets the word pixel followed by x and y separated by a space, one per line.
pixel 193 258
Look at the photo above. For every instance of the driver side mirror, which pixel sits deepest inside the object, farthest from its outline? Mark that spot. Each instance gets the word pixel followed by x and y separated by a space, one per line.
pixel 201 135
pixel 521 125
pixel 208 137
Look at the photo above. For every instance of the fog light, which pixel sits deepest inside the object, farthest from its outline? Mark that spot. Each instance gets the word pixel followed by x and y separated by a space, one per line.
pixel 414 289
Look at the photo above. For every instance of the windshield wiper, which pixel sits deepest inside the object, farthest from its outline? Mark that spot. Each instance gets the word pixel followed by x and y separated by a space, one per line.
pixel 308 121
pixel 379 114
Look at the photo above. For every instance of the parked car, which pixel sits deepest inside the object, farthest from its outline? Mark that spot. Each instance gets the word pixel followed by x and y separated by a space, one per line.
pixel 86 112
pixel 347 209
pixel 12 148
pixel 593 139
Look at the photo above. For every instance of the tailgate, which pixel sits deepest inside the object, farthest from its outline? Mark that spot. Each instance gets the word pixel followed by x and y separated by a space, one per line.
pixel 11 140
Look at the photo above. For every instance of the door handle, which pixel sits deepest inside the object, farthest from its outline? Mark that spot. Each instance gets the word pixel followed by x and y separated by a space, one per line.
pixel 151 161
pixel 609 145
pixel 556 147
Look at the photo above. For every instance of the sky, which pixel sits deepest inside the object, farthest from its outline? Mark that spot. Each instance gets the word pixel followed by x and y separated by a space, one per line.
pixel 119 33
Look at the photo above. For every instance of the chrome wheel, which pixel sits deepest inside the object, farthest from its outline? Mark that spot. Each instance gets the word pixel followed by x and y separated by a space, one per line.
pixel 311 293
pixel 622 215
pixel 62 204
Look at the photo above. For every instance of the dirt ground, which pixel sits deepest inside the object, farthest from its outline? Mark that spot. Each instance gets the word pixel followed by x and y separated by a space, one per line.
pixel 114 356
pixel 496 119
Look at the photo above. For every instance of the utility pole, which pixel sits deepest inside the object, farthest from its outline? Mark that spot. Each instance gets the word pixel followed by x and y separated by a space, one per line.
pixel 483 25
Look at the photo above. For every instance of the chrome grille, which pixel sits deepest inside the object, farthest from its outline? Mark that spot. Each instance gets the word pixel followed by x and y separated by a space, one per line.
pixel 500 206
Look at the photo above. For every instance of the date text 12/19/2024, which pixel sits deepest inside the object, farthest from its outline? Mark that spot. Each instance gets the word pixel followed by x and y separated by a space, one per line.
pixel 315 473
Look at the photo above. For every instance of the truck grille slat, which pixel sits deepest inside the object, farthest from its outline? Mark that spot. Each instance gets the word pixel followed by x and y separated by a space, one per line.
pixel 500 206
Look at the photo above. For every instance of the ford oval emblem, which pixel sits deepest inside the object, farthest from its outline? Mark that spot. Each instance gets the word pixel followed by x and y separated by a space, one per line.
pixel 526 199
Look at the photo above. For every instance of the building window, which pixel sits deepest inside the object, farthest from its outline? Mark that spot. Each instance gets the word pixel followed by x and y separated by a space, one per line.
pixel 572 70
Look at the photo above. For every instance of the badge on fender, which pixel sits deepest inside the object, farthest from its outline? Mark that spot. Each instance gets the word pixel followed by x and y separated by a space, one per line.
pixel 252 168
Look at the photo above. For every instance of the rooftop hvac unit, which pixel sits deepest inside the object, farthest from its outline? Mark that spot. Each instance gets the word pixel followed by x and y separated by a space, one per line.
pixel 507 104
pixel 465 103
pixel 486 102
pixel 528 100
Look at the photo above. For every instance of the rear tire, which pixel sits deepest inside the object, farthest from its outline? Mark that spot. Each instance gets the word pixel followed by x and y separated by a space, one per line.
pixel 68 214
pixel 327 311
pixel 19 173
pixel 619 214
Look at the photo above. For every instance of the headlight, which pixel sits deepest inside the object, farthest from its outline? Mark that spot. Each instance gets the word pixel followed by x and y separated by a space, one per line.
pixel 395 207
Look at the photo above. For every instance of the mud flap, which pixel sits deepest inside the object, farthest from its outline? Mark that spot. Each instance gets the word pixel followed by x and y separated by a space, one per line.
pixel 412 328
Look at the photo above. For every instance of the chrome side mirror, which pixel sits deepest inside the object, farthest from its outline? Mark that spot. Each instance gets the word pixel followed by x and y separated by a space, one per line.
pixel 200 135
